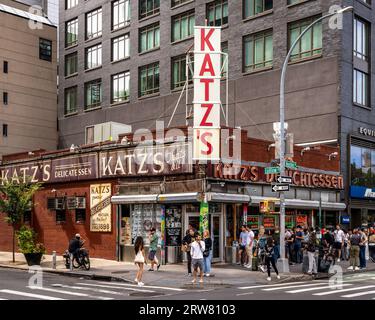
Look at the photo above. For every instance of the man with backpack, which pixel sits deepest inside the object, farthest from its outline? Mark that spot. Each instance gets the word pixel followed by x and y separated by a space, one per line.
pixel 311 248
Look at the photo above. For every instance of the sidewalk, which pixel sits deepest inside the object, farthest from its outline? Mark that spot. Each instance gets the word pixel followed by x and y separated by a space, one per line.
pixel 173 275
pixel 168 275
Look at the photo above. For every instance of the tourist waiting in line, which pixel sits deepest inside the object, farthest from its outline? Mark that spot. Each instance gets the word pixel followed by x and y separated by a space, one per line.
pixel 242 246
pixel 197 249
pixel 339 241
pixel 354 242
pixel 249 247
pixel 186 243
pixel 362 249
pixel 207 254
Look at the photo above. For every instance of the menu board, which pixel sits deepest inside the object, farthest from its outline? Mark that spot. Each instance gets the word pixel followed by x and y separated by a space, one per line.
pixel 126 234
pixel 173 225
pixel 253 222
pixel 269 222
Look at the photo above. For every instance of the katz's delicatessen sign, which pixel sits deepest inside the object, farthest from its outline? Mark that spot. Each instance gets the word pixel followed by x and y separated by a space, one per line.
pixel 207 103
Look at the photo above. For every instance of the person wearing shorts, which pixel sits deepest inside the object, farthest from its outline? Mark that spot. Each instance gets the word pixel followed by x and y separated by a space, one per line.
pixel 153 248
pixel 196 251
pixel 339 241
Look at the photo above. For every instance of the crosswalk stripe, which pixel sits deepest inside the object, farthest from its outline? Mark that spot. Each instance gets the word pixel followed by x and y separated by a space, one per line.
pixel 30 295
pixel 3 299
pixel 299 286
pixel 341 290
pixel 270 285
pixel 78 294
pixel 90 289
pixel 353 295
pixel 316 288
pixel 150 287
pixel 113 287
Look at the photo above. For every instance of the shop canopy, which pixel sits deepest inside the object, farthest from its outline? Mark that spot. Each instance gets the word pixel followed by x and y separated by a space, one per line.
pixel 181 198
pixel 303 204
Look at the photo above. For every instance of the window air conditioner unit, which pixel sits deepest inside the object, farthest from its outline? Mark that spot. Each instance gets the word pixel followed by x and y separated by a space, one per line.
pixel 71 203
pixel 60 203
pixel 81 202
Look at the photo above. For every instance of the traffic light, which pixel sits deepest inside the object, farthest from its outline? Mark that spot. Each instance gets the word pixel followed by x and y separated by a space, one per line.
pixel 266 206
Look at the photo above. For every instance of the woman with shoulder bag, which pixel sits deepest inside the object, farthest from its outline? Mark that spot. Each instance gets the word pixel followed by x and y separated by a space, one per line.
pixel 139 260
pixel 207 254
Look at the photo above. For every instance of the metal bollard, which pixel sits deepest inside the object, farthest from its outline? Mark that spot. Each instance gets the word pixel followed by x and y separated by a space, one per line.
pixel 71 261
pixel 234 252
pixel 53 259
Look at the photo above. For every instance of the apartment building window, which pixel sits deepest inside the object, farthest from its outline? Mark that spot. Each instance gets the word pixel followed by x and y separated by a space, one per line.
pixel 93 94
pixel 71 32
pixel 45 49
pixel 224 49
pixel 311 43
pixel 70 104
pixel 120 14
pixel 94 24
pixel 93 57
pixel 258 51
pixel 5 130
pixel 80 215
pixel 254 7
pixel 120 47
pixel 361 39
pixel 217 13
pixel 60 216
pixel 179 71
pixel 120 87
pixel 149 79
pixel 178 2
pixel 71 64
pixel 183 26
pixel 5 66
pixel 148 8
pixel 70 4
pixel 149 37
pixel 5 98
pixel 367 2
pixel 90 135
pixel 361 88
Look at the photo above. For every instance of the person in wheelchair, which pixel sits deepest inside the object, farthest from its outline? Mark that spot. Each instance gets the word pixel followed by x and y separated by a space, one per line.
pixel 75 247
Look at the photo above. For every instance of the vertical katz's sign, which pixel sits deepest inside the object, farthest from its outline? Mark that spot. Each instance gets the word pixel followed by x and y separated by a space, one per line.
pixel 100 208
pixel 207 76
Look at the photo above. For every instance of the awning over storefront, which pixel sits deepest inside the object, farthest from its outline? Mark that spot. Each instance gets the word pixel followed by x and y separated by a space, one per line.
pixel 144 198
pixel 302 204
pixel 178 197
pixel 228 197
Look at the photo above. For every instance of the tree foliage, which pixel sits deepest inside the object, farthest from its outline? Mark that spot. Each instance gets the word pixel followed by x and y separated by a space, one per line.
pixel 16 199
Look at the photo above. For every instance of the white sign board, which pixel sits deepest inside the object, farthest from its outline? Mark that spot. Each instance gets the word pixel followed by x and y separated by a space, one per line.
pixel 100 207
pixel 207 76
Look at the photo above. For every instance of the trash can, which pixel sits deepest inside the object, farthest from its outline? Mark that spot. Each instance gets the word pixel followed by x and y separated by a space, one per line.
pixel 234 252
pixel 173 254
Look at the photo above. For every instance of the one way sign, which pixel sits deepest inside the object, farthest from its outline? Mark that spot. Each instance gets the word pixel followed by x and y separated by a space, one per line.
pixel 280 187
pixel 284 179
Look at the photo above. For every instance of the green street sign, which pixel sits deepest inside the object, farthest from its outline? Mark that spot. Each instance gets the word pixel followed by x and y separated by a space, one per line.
pixel 290 165
pixel 272 170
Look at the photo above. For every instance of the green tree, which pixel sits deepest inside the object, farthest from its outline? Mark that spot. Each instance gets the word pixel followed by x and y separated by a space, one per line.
pixel 15 200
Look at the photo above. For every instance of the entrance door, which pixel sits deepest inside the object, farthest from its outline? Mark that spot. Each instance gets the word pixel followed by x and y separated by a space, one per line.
pixel 215 225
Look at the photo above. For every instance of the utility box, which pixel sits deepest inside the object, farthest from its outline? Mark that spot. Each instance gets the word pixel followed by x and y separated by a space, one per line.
pixel 110 131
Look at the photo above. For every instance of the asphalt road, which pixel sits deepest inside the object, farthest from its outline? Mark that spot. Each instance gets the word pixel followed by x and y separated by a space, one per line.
pixel 20 285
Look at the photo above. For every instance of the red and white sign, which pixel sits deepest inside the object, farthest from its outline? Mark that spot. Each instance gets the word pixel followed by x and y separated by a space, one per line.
pixel 207 103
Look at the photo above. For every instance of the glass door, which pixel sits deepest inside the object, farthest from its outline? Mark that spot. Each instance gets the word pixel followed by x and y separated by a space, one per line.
pixel 215 229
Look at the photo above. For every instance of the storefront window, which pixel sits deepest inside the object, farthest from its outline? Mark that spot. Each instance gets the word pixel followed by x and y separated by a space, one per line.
pixel 362 163
pixel 142 218
pixel 173 225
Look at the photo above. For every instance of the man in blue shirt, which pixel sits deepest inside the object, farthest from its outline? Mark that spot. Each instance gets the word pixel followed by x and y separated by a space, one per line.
pixel 298 245
pixel 243 242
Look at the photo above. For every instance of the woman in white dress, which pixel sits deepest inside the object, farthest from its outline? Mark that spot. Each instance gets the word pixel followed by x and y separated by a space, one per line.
pixel 140 259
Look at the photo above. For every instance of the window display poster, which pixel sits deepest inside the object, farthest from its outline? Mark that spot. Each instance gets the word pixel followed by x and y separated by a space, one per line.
pixel 289 222
pixel 269 222
pixel 301 220
pixel 253 222
pixel 173 220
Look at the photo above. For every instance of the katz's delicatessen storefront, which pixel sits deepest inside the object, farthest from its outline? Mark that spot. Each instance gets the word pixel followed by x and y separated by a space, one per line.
pixel 112 194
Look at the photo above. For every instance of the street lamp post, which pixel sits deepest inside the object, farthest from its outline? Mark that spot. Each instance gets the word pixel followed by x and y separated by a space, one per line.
pixel 284 262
